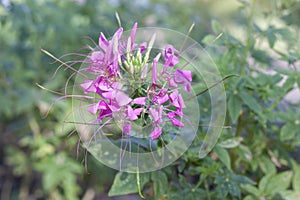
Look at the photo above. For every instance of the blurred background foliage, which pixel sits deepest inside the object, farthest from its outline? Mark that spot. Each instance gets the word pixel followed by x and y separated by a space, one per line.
pixel 257 159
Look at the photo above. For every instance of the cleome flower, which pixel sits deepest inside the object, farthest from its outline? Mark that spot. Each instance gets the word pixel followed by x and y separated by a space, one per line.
pixel 129 84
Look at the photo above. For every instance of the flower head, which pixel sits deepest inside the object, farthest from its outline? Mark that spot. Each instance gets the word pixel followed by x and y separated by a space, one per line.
pixel 121 84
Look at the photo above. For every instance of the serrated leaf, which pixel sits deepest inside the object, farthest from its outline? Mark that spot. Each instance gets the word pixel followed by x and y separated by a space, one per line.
pixel 234 107
pixel 279 182
pixel 251 102
pixel 126 183
pixel 230 143
pixel 288 132
pixel 223 155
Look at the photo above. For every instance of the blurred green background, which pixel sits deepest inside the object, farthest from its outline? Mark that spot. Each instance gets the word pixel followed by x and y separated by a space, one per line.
pixel 39 157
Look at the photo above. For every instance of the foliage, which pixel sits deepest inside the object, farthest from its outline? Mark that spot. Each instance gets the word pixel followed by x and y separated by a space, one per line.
pixel 257 158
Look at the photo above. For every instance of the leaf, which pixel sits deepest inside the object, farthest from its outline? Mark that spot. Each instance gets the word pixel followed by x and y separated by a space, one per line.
pixel 296 178
pixel 234 107
pixel 245 152
pixel 208 39
pixel 243 180
pixel 160 184
pixel 223 155
pixel 279 182
pixel 266 165
pixel 251 190
pixel 126 183
pixel 230 143
pixel 251 102
pixel 290 195
pixel 216 26
pixel 271 37
pixel 298 82
pixel 264 181
pixel 288 132
pixel 289 84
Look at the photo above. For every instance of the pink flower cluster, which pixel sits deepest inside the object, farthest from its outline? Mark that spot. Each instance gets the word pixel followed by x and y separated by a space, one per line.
pixel 122 85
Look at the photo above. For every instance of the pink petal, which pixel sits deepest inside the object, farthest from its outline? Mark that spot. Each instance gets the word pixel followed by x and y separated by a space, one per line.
pixel 94 108
pixel 182 76
pixel 139 100
pixel 163 99
pixel 157 131
pixel 143 47
pixel 176 122
pixel 103 43
pixel 88 86
pixel 133 33
pixel 131 114
pixel 156 114
pixel 171 115
pixel 127 128
pixel 172 83
pixel 169 55
pixel 122 99
pixel 180 101
pixel 179 112
pixel 138 111
pixel 109 95
pixel 174 99
pixel 154 71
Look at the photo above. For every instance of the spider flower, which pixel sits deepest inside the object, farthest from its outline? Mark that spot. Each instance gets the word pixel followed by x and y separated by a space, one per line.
pixel 122 85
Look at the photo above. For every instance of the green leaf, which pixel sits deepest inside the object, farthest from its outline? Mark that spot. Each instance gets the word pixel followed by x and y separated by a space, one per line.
pixel 290 195
pixel 279 182
pixel 160 184
pixel 243 180
pixel 296 178
pixel 230 143
pixel 288 132
pixel 223 155
pixel 266 165
pixel 271 38
pixel 249 197
pixel 251 190
pixel 234 107
pixel 251 102
pixel 298 80
pixel 208 39
pixel 245 152
pixel 264 181
pixel 126 183
pixel 216 26
pixel 289 84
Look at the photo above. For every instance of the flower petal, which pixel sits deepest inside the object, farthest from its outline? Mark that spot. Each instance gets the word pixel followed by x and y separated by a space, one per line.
pixel 131 114
pixel 157 131
pixel 103 43
pixel 127 128
pixel 139 100
pixel 177 122
pixel 122 99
